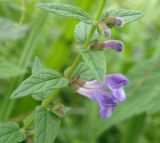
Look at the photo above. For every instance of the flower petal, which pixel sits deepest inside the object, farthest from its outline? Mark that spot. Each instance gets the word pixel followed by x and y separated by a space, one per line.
pixel 92 84
pixel 104 99
pixel 105 113
pixel 115 81
pixel 86 92
pixel 119 94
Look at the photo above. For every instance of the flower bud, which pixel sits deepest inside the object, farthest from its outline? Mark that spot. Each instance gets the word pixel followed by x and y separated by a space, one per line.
pixel 106 31
pixel 119 22
pixel 60 110
pixel 115 21
pixel 115 44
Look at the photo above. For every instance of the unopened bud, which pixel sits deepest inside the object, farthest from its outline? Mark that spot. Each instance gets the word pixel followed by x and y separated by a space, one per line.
pixel 106 31
pixel 119 22
pixel 115 21
pixel 115 44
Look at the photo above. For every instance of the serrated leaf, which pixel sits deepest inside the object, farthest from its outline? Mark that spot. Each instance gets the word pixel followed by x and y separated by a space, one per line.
pixel 42 96
pixel 10 133
pixel 8 69
pixel 84 72
pixel 127 15
pixel 37 66
pixel 44 80
pixel 66 10
pixel 81 33
pixel 143 92
pixel 46 126
pixel 9 30
pixel 96 62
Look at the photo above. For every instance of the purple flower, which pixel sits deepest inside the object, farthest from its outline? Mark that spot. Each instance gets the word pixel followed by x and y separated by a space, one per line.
pixel 107 100
pixel 119 22
pixel 115 21
pixel 115 44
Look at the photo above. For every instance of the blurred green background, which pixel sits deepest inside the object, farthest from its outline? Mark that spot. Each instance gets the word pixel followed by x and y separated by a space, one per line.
pixel 136 121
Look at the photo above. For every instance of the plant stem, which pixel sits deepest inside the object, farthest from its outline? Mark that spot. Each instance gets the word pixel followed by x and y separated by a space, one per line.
pixel 23 9
pixel 77 61
pixel 79 57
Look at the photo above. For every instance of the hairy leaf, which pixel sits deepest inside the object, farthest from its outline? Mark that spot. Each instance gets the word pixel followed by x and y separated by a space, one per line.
pixel 10 133
pixel 96 63
pixel 66 10
pixel 83 71
pixel 37 66
pixel 40 82
pixel 81 33
pixel 46 126
pixel 127 15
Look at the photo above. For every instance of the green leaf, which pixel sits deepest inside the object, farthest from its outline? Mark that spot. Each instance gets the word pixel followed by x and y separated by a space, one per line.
pixel 40 82
pixel 8 69
pixel 46 126
pixel 37 66
pixel 81 33
pixel 127 15
pixel 10 133
pixel 66 10
pixel 10 31
pixel 142 94
pixel 83 71
pixel 96 62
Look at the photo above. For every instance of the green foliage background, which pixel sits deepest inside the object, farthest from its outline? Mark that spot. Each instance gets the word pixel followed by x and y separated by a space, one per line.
pixel 137 120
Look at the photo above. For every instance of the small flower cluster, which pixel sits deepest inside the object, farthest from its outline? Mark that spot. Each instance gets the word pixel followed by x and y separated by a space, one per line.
pixel 110 93
pixel 105 26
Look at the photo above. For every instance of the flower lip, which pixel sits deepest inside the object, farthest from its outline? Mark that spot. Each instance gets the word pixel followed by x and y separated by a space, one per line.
pixel 116 80
pixel 105 113
pixel 119 94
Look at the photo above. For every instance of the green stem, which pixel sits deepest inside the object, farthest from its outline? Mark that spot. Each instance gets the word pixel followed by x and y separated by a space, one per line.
pixel 7 105
pixel 79 57
pixel 77 61
pixel 23 9
pixel 73 67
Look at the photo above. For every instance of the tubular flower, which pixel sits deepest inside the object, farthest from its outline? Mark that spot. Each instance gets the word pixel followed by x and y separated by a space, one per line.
pixel 115 44
pixel 107 100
